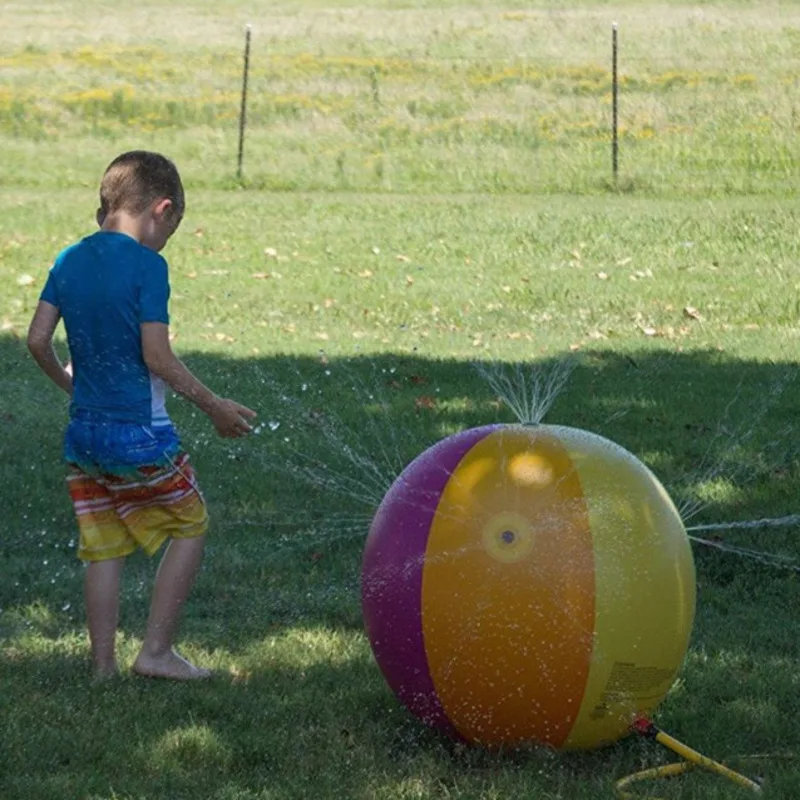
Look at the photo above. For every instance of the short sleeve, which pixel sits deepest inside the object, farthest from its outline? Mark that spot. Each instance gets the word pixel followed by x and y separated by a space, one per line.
pixel 50 292
pixel 154 295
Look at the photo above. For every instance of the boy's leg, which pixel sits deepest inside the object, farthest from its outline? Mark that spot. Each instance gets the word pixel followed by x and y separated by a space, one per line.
pixel 176 575
pixel 104 542
pixel 101 592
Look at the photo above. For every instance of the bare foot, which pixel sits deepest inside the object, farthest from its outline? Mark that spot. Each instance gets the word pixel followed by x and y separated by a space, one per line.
pixel 104 672
pixel 169 665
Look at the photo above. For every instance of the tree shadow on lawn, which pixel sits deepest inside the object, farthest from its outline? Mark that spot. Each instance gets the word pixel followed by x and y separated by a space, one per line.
pixel 328 730
pixel 709 426
pixel 720 434
pixel 285 553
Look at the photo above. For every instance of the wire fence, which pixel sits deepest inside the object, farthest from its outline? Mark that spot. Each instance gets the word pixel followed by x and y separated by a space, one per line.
pixel 680 118
pixel 521 123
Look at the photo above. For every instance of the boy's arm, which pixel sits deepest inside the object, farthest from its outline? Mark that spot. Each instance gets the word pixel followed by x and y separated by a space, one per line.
pixel 40 343
pixel 229 418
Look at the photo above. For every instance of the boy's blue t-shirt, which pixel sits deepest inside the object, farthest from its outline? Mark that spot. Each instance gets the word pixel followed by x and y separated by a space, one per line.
pixel 105 286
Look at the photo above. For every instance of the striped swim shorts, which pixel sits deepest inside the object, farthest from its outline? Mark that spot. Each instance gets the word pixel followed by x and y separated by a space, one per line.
pixel 131 486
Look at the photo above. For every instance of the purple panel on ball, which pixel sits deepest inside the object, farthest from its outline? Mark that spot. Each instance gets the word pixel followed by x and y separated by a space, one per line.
pixel 394 558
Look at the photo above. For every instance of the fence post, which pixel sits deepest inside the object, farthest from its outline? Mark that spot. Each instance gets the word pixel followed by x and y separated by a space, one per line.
pixel 243 109
pixel 614 104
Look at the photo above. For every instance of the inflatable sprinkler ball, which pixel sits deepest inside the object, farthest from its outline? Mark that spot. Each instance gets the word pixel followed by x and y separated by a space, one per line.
pixel 528 584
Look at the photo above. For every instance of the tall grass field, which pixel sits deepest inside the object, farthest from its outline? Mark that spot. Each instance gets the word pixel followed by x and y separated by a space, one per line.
pixel 426 188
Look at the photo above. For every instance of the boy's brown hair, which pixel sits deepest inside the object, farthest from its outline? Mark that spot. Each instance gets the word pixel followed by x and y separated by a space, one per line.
pixel 135 179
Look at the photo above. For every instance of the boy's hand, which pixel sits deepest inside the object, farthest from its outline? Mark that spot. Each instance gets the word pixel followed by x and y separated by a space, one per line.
pixel 230 419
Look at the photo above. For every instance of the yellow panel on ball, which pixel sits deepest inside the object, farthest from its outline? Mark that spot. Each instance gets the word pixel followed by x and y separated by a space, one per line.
pixel 645 587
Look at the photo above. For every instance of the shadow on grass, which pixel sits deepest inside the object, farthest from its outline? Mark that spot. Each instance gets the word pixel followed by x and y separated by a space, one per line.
pixel 285 554
pixel 715 430
pixel 330 731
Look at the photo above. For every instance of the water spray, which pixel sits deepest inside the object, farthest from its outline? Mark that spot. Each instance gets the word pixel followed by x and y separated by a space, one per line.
pixel 528 391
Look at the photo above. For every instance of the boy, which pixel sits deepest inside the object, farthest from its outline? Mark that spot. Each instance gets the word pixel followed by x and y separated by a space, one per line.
pixel 131 483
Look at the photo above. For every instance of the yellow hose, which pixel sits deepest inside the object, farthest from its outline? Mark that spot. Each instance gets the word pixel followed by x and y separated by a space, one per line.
pixel 668 771
pixel 693 758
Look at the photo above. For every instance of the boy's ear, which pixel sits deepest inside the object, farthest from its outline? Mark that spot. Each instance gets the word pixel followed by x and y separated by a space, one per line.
pixel 162 207
pixel 100 216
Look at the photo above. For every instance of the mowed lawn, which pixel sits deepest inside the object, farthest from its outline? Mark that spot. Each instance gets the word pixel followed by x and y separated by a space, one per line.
pixel 427 187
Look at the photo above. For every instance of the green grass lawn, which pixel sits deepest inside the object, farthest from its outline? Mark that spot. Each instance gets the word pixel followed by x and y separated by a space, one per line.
pixel 427 188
